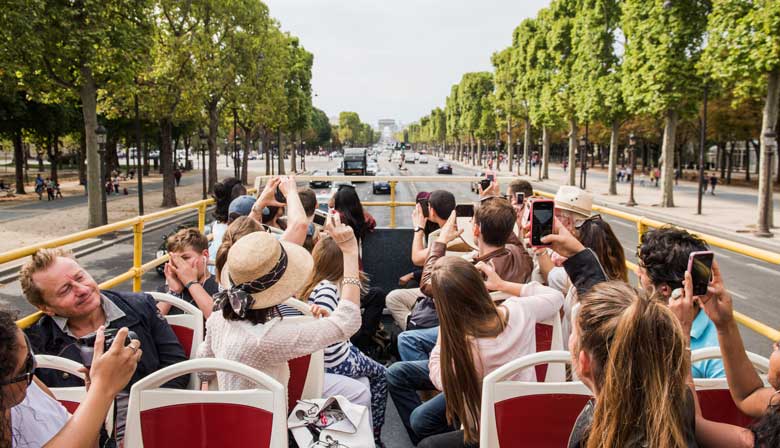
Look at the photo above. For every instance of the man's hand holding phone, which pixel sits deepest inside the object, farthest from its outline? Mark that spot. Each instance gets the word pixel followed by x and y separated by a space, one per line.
pixel 717 302
pixel 449 231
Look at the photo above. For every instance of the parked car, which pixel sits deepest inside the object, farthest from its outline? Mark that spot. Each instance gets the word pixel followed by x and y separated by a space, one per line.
pixel 319 183
pixel 443 168
pixel 381 186
pixel 422 159
pixel 411 158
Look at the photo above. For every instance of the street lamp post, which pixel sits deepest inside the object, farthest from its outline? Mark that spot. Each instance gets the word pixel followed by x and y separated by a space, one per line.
pixel 539 159
pixel 235 144
pixel 702 148
pixel 303 155
pixel 100 132
pixel 583 162
pixel 770 143
pixel 202 136
pixel 632 146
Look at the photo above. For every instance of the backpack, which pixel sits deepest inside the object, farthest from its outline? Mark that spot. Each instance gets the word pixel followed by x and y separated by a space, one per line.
pixel 423 314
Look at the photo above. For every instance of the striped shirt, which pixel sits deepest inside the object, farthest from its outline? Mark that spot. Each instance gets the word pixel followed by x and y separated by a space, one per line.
pixel 326 295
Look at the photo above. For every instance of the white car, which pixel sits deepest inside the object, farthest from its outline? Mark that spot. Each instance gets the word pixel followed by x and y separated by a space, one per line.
pixel 422 159
pixel 371 169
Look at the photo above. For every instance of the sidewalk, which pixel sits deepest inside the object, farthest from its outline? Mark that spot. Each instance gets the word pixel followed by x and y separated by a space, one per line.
pixel 731 213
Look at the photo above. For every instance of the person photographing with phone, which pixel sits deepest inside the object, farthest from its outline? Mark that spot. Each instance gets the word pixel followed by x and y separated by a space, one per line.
pixel 186 276
pixel 31 416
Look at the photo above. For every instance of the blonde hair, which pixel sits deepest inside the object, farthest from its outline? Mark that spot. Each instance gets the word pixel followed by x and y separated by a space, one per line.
pixel 639 367
pixel 41 260
pixel 328 265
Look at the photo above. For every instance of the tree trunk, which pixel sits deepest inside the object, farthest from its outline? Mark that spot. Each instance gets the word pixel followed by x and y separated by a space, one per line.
pixel 613 152
pixel 545 153
pixel 212 144
pixel 267 151
pixel 527 147
pixel 88 95
pixel 186 151
pixel 245 156
pixel 280 169
pixel 667 153
pixel 729 163
pixel 768 124
pixel 479 152
pixel 53 151
pixel 747 161
pixel 19 161
pixel 572 151
pixel 128 143
pixel 510 150
pixel 166 164
pixel 293 155
pixel 722 160
pixel 82 162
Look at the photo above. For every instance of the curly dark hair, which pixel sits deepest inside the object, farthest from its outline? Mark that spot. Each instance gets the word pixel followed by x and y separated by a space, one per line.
pixel 767 428
pixel 8 349
pixel 664 254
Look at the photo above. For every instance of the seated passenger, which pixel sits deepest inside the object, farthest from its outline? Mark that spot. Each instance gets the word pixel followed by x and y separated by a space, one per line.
pixel 663 260
pixel 400 302
pixel 613 327
pixel 260 273
pixel 74 307
pixel 355 390
pixel 343 358
pixel 747 388
pixel 31 416
pixel 309 202
pixel 224 192
pixel 494 223
pixel 477 336
pixel 186 276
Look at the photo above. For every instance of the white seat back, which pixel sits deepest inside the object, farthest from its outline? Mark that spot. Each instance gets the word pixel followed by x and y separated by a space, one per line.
pixel 172 417
pixel 529 413
pixel 187 326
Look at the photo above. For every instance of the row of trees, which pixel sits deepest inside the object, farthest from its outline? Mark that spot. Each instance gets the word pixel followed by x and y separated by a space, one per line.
pixel 156 71
pixel 353 132
pixel 624 66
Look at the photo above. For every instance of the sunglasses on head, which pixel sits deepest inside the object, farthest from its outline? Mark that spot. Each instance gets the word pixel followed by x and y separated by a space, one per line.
pixel 591 219
pixel 29 368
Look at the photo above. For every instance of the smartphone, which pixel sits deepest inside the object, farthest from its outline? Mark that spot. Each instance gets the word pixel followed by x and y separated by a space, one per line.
pixel 424 206
pixel 319 218
pixel 700 267
pixel 464 210
pixel 279 196
pixel 519 198
pixel 542 219
pixel 490 177
pixel 485 184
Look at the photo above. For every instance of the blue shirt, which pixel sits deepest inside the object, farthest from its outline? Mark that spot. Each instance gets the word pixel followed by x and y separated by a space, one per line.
pixel 704 334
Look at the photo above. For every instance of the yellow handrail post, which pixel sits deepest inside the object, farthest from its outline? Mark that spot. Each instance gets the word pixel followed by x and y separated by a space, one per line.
pixel 392 204
pixel 641 228
pixel 138 246
pixel 202 216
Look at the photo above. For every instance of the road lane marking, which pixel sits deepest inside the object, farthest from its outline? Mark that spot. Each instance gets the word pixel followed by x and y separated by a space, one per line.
pixel 764 268
pixel 737 295
pixel 622 223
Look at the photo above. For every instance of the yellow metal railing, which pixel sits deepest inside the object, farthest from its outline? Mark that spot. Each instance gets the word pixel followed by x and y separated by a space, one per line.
pixel 137 224
pixel 139 268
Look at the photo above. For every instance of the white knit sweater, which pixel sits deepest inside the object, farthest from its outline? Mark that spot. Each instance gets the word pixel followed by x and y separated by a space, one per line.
pixel 267 347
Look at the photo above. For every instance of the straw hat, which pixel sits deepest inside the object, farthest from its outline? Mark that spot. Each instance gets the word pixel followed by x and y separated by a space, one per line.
pixel 259 258
pixel 574 200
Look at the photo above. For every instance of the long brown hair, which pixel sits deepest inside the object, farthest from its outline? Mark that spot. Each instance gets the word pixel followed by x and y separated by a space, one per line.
pixel 597 234
pixel 328 265
pixel 466 312
pixel 242 226
pixel 639 367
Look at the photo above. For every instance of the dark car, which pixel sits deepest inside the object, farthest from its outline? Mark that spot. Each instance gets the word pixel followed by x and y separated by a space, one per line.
pixel 381 186
pixel 444 168
pixel 319 183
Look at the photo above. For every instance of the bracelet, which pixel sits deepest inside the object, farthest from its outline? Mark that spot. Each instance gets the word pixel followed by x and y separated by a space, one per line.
pixel 351 281
pixel 418 229
pixel 194 282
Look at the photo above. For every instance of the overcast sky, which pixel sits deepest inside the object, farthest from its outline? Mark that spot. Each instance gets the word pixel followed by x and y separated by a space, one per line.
pixel 397 58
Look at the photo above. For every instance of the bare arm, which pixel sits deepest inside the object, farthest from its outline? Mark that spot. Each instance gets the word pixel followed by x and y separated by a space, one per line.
pixel 297 222
pixel 419 251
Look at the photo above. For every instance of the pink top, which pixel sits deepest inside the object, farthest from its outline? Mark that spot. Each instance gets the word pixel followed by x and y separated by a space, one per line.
pixel 538 303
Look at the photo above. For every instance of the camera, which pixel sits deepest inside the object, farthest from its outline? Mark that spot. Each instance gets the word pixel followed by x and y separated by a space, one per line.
pixel 86 344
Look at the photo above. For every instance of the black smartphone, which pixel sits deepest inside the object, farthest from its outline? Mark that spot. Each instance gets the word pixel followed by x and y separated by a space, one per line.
pixel 319 218
pixel 279 196
pixel 424 206
pixel 700 267
pixel 519 198
pixel 485 184
pixel 464 210
pixel 542 219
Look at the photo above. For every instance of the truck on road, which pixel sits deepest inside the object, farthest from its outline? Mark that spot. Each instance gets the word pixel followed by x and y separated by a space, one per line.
pixel 355 162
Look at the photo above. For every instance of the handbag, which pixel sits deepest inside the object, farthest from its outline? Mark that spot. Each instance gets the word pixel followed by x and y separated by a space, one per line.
pixel 331 422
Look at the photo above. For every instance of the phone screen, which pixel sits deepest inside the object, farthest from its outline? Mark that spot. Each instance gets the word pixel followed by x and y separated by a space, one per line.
pixel 701 271
pixel 490 177
pixel 279 196
pixel 519 198
pixel 319 219
pixel 424 206
pixel 485 184
pixel 541 221
pixel 464 210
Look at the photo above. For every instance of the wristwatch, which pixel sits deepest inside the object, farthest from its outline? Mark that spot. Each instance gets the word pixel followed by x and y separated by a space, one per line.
pixel 418 229
pixel 194 282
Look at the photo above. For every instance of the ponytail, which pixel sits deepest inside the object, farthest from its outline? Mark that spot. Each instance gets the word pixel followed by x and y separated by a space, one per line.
pixel 639 365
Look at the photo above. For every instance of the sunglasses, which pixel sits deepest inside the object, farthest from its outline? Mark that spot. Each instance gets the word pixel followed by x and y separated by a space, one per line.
pixel 591 219
pixel 29 368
